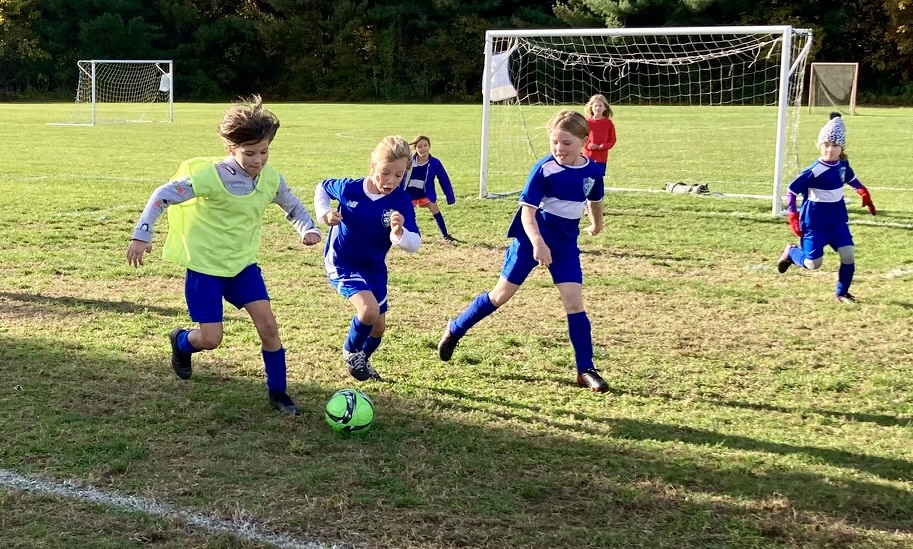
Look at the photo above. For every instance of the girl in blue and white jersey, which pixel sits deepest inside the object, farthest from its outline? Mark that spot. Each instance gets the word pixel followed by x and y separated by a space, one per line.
pixel 544 230
pixel 372 214
pixel 822 220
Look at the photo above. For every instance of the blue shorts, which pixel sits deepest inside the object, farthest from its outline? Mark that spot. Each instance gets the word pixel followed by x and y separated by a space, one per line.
pixel 836 236
pixel 519 262
pixel 204 292
pixel 349 282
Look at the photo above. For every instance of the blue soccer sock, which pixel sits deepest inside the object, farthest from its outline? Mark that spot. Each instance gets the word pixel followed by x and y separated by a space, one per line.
pixel 480 307
pixel 184 344
pixel 578 326
pixel 439 217
pixel 845 277
pixel 798 257
pixel 358 333
pixel 274 365
pixel 371 345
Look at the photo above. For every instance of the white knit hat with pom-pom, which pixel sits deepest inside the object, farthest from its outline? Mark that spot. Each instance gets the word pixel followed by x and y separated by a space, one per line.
pixel 834 131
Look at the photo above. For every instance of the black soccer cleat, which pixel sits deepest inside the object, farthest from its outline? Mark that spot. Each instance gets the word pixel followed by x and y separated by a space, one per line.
pixel 180 361
pixel 847 298
pixel 592 380
pixel 447 344
pixel 358 366
pixel 785 261
pixel 284 403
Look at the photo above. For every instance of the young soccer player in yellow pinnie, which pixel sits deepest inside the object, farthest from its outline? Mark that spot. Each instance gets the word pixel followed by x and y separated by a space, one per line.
pixel 215 214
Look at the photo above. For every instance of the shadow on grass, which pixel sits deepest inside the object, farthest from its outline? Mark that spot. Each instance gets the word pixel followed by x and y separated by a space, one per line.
pixel 433 472
pixel 67 304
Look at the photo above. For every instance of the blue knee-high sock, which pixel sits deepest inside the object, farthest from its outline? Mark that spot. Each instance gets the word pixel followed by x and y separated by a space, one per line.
pixel 578 326
pixel 845 277
pixel 439 217
pixel 798 257
pixel 358 333
pixel 371 345
pixel 480 307
pixel 184 343
pixel 274 364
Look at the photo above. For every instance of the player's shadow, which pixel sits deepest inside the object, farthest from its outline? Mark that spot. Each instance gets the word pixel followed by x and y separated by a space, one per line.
pixel 67 304
pixel 888 468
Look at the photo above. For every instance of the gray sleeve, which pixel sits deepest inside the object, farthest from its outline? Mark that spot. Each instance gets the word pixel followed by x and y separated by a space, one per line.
pixel 295 210
pixel 173 192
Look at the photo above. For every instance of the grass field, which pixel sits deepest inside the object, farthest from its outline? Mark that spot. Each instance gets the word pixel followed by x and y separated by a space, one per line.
pixel 747 409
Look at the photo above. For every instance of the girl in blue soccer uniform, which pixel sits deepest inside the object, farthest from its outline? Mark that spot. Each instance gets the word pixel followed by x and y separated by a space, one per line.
pixel 215 213
pixel 822 220
pixel 544 231
pixel 373 214
pixel 419 183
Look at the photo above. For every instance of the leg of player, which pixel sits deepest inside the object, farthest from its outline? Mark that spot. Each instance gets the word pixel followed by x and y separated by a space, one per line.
pixel 483 305
pixel 273 353
pixel 580 332
pixel 367 313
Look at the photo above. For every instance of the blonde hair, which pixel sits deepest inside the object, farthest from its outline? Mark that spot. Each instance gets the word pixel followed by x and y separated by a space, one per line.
pixel 391 149
pixel 421 138
pixel 247 122
pixel 571 122
pixel 588 109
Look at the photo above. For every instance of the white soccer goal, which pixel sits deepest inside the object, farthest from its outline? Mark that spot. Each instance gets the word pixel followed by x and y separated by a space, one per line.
pixel 696 105
pixel 833 85
pixel 121 91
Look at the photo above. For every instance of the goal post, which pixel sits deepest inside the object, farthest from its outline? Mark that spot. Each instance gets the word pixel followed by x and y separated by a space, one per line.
pixel 833 85
pixel 697 105
pixel 113 91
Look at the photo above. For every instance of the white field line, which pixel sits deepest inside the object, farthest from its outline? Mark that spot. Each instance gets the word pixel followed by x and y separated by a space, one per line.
pixel 237 527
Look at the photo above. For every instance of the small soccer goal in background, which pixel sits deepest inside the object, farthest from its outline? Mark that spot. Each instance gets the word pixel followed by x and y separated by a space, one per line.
pixel 123 91
pixel 833 86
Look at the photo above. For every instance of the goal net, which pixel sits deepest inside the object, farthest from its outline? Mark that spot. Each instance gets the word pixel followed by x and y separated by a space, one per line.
pixel 833 86
pixel 715 106
pixel 121 91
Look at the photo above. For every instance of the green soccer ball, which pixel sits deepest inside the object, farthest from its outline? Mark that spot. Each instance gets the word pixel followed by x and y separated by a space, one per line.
pixel 349 410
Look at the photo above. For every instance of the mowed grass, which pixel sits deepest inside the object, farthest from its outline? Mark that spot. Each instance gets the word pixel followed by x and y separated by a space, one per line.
pixel 747 409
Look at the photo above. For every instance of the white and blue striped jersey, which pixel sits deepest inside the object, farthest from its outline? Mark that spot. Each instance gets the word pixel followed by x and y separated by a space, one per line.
pixel 821 186
pixel 560 194
pixel 361 241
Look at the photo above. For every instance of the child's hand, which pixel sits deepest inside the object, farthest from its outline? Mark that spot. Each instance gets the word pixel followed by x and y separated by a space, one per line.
pixel 793 218
pixel 136 250
pixel 396 223
pixel 591 147
pixel 867 200
pixel 332 218
pixel 542 254
pixel 310 239
pixel 593 230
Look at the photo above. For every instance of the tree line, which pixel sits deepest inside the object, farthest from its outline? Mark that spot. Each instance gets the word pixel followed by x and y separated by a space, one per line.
pixel 408 50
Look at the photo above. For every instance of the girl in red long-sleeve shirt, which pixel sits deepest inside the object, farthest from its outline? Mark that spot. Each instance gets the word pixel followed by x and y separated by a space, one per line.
pixel 602 130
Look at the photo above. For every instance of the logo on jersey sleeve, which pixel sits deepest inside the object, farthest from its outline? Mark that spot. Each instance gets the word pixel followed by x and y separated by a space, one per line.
pixel 386 218
pixel 588 183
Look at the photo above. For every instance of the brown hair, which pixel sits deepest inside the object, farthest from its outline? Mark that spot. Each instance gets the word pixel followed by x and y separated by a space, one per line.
pixel 247 122
pixel 588 109
pixel 391 149
pixel 421 138
pixel 569 121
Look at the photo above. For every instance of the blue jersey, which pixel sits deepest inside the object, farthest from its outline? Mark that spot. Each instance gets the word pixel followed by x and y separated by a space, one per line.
pixel 821 187
pixel 559 193
pixel 362 239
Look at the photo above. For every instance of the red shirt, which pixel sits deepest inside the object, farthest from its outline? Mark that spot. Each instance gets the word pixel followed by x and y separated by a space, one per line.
pixel 602 133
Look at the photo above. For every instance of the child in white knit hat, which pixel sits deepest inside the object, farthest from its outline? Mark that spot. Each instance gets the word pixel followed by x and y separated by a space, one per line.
pixel 822 219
